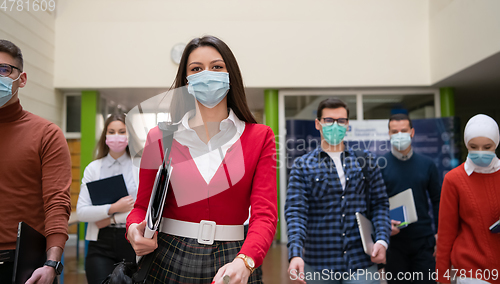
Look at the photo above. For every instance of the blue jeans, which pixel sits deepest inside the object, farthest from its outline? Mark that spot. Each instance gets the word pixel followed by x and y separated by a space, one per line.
pixel 369 275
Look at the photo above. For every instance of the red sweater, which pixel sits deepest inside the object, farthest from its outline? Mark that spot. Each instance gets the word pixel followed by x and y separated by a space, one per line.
pixel 251 167
pixel 35 176
pixel 469 206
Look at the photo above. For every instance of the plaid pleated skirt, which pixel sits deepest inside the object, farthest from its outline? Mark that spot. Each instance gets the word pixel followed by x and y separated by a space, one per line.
pixel 184 261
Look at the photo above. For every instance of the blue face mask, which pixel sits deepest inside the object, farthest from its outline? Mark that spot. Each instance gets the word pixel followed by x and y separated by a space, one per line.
pixel 481 158
pixel 209 87
pixel 401 141
pixel 334 134
pixel 6 89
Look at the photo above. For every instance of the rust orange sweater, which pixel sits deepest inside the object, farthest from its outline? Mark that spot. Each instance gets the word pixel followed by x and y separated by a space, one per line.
pixel 469 206
pixel 35 176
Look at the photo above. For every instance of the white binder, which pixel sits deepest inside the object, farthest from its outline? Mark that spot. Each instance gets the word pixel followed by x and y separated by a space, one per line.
pixel 365 230
pixel 405 198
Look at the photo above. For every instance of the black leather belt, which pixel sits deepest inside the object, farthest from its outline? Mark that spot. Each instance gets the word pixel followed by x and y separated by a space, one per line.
pixel 7 255
pixel 118 226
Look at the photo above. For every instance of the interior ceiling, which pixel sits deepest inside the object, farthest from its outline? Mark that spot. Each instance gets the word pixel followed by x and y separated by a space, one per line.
pixel 480 77
pixel 477 88
pixel 129 97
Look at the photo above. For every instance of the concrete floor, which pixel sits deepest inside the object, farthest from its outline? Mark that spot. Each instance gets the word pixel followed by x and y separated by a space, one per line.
pixel 274 268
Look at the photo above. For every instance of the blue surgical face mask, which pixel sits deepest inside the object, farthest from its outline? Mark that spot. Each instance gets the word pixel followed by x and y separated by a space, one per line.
pixel 209 87
pixel 6 89
pixel 401 141
pixel 481 158
pixel 334 134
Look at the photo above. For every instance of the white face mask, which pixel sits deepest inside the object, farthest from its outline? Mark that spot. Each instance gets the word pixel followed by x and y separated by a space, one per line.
pixel 401 141
pixel 209 87
pixel 6 89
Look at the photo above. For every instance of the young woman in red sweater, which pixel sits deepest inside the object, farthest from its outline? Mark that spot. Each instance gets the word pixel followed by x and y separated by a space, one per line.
pixel 470 204
pixel 223 163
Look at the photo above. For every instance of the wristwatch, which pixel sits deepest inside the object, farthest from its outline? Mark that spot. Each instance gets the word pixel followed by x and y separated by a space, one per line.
pixel 57 265
pixel 249 263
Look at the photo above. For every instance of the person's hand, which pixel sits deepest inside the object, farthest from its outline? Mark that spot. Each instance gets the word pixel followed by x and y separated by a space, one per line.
pixel 378 254
pixel 42 275
pixel 394 227
pixel 123 205
pixel 296 270
pixel 140 244
pixel 103 223
pixel 236 270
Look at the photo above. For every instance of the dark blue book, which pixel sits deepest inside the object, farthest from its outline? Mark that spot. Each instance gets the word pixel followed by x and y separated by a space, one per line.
pixel 107 190
pixel 399 214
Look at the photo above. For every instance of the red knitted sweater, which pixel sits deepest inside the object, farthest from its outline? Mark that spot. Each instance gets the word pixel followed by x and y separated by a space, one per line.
pixel 191 199
pixel 469 206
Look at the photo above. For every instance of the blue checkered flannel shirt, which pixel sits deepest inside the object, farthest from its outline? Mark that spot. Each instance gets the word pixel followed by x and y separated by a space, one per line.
pixel 322 226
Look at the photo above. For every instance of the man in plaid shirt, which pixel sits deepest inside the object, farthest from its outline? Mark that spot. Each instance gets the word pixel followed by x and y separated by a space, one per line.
pixel 326 189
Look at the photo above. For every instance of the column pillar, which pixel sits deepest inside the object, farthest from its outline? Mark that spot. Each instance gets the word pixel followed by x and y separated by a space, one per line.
pixel 447 96
pixel 89 106
pixel 271 119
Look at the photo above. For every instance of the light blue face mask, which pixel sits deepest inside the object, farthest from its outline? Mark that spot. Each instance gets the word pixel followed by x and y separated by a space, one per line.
pixel 334 134
pixel 6 89
pixel 209 87
pixel 481 158
pixel 401 141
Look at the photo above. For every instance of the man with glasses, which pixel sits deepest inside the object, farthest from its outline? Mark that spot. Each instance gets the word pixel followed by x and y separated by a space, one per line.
pixel 412 248
pixel 35 174
pixel 326 189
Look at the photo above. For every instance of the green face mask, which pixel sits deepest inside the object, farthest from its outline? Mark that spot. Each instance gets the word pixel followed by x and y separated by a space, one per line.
pixel 334 134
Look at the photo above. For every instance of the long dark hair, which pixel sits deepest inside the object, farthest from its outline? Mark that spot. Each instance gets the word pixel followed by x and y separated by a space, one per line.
pixel 102 149
pixel 236 98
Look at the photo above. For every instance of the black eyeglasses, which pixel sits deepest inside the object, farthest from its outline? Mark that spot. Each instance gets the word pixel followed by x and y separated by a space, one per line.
pixel 340 121
pixel 6 69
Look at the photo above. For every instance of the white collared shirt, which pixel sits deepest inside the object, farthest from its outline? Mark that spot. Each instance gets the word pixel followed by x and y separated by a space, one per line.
pixel 96 170
pixel 208 156
pixel 123 165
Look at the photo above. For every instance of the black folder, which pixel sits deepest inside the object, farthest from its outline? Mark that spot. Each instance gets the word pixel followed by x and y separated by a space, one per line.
pixel 107 190
pixel 30 253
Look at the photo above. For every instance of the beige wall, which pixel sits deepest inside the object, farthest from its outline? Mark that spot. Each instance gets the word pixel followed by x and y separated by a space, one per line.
pixel 278 44
pixel 293 43
pixel 462 33
pixel 34 33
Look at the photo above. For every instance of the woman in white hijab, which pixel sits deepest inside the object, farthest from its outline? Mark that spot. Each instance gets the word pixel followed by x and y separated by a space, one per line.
pixel 470 204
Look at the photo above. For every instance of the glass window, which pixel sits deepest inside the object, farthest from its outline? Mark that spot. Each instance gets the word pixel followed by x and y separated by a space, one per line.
pixel 305 107
pixel 383 106
pixel 73 112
